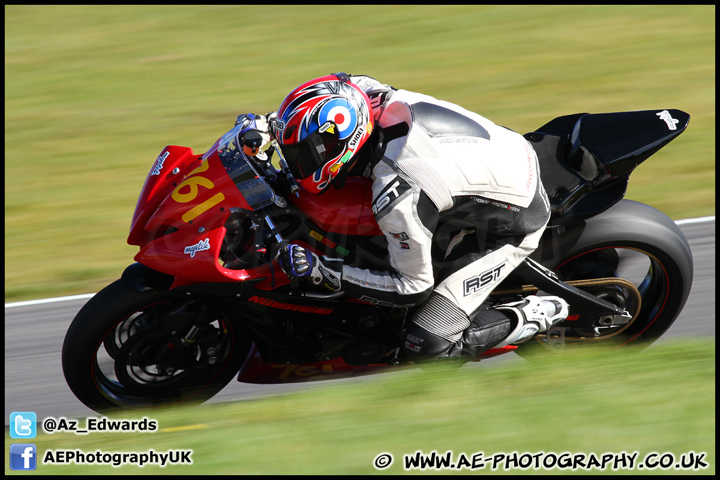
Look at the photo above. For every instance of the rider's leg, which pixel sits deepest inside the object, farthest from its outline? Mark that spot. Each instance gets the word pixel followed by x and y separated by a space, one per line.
pixel 452 322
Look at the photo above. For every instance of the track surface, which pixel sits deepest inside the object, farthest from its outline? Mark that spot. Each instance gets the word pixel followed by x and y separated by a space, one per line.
pixel 34 335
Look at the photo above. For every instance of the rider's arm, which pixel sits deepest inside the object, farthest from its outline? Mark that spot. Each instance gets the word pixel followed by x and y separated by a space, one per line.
pixel 407 218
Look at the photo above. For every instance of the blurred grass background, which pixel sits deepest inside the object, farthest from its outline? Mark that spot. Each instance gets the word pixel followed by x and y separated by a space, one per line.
pixel 93 93
pixel 584 401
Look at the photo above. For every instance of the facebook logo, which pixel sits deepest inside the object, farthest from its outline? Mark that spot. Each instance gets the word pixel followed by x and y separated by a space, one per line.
pixel 23 456
pixel 23 425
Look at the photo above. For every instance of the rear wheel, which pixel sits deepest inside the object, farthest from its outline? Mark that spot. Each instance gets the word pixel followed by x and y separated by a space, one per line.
pixel 635 243
pixel 131 349
pixel 651 295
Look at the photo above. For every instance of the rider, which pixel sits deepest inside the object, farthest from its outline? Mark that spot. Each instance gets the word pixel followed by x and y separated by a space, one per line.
pixel 458 198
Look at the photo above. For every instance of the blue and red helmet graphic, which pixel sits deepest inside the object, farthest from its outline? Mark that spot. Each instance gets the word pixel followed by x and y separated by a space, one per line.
pixel 334 104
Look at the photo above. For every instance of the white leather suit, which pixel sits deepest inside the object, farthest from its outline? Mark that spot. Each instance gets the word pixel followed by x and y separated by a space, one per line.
pixel 461 203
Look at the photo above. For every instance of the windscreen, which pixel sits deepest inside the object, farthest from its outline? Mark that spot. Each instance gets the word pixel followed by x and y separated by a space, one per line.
pixel 257 193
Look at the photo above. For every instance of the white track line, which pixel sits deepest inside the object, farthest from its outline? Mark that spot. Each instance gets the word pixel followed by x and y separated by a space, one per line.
pixel 89 295
pixel 696 220
pixel 48 300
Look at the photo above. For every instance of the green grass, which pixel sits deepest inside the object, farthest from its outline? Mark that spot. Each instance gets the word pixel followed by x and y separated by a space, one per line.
pixel 592 401
pixel 93 93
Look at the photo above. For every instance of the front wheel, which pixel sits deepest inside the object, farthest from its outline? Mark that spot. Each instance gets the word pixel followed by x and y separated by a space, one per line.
pixel 131 349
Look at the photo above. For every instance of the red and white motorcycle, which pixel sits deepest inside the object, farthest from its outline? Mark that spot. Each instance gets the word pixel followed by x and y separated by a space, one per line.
pixel 206 302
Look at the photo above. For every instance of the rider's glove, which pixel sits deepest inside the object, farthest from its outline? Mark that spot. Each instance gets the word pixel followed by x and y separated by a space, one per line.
pixel 254 134
pixel 297 261
pixel 275 125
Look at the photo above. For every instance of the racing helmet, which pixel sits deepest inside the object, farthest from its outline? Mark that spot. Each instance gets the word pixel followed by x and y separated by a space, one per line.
pixel 322 124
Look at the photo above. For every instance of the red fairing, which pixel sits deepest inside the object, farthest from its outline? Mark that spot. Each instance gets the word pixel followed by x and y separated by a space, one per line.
pixel 158 185
pixel 255 370
pixel 179 221
pixel 180 217
pixel 346 211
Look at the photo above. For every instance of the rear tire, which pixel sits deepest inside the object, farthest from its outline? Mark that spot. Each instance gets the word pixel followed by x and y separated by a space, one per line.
pixel 631 241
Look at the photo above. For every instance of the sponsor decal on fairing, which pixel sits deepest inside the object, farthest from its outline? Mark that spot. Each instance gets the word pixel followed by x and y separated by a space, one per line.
pixel 198 247
pixel 668 119
pixel 159 164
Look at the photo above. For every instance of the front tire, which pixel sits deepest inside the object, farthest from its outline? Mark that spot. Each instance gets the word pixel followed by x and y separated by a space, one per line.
pixel 121 351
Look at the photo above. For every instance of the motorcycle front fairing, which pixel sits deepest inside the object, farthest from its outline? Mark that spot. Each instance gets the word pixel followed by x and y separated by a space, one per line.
pixel 180 219
pixel 172 161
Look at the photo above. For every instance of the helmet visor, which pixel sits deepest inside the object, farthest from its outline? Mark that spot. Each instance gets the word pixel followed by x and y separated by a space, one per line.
pixel 305 157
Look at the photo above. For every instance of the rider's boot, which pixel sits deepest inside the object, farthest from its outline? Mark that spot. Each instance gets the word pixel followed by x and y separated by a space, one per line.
pixel 503 325
pixel 534 315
